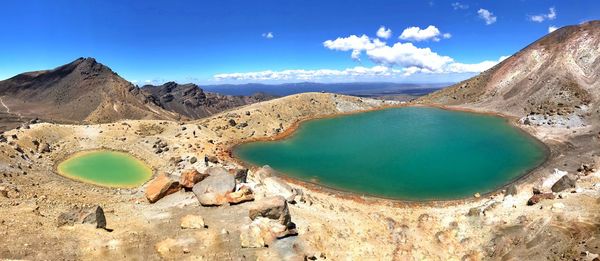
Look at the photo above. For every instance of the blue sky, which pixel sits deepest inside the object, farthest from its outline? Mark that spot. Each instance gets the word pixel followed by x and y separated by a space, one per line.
pixel 209 42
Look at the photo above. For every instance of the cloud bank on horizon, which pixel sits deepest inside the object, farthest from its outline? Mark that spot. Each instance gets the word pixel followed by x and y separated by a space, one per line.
pixel 400 60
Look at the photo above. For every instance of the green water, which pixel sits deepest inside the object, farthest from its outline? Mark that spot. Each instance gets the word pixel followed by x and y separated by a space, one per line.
pixel 410 153
pixel 106 168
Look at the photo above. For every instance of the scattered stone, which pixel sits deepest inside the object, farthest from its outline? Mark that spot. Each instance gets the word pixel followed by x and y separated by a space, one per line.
pixel 536 198
pixel 189 178
pixel 212 190
pixel 477 195
pixel 474 212
pixel 193 159
pixel 93 215
pixel 160 187
pixel 244 194
pixel 211 159
pixel 44 148
pixel 563 183
pixel 165 247
pixel 232 122
pixel 241 175
pixel 192 222
pixel 536 191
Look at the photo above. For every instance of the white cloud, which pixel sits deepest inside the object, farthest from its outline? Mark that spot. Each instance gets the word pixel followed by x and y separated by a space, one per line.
pixel 475 67
pixel 551 15
pixel 458 5
pixel 355 55
pixel 358 71
pixel 384 33
pixel 353 42
pixel 552 28
pixel 446 35
pixel 417 34
pixel 408 55
pixel 487 16
pixel 268 35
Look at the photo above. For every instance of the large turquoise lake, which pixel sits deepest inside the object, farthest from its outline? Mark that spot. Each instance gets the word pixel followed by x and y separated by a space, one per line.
pixel 408 153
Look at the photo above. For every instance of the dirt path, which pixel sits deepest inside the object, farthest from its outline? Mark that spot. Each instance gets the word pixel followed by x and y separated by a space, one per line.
pixel 2 102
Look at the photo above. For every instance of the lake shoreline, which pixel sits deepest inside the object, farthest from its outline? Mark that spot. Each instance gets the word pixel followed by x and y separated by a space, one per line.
pixel 367 198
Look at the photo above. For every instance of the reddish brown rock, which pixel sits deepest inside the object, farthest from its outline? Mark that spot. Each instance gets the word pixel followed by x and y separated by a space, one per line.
pixel 160 187
pixel 190 177
pixel 536 198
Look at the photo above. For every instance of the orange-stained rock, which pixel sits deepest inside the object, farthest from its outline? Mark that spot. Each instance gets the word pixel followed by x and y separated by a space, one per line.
pixel 242 195
pixel 160 187
pixel 190 178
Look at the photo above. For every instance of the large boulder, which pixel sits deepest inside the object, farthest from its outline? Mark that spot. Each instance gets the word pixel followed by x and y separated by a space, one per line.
pixel 275 208
pixel 189 178
pixel 213 189
pixel 161 186
pixel 279 187
pixel 565 182
pixel 91 215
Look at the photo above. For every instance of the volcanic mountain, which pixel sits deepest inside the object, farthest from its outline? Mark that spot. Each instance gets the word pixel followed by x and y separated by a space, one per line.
pixel 191 101
pixel 81 91
pixel 556 75
pixel 85 91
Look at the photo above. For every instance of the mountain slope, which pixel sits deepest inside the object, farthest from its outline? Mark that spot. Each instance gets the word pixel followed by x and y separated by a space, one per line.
pixel 191 101
pixel 81 91
pixel 556 75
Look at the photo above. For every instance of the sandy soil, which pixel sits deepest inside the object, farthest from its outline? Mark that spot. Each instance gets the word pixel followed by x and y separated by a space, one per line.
pixel 330 225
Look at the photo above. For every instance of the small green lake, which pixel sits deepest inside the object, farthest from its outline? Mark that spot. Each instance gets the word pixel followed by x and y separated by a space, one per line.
pixel 106 168
pixel 409 153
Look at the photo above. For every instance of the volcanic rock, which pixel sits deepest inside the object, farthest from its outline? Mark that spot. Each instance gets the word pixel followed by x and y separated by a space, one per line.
pixel 213 189
pixel 189 178
pixel 92 215
pixel 160 187
pixel 563 183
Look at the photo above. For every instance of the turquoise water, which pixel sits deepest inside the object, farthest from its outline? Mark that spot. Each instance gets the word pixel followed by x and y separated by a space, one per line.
pixel 106 168
pixel 409 153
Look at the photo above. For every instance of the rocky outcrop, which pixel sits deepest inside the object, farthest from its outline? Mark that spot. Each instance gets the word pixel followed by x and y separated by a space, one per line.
pixel 192 102
pixel 91 215
pixel 565 182
pixel 160 187
pixel 212 191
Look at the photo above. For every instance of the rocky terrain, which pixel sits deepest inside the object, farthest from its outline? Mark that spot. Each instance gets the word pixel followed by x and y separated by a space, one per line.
pixel 81 91
pixel 553 81
pixel 202 204
pixel 85 91
pixel 191 101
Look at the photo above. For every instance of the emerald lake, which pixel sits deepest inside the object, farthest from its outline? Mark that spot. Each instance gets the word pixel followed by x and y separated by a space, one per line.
pixel 408 153
pixel 106 168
